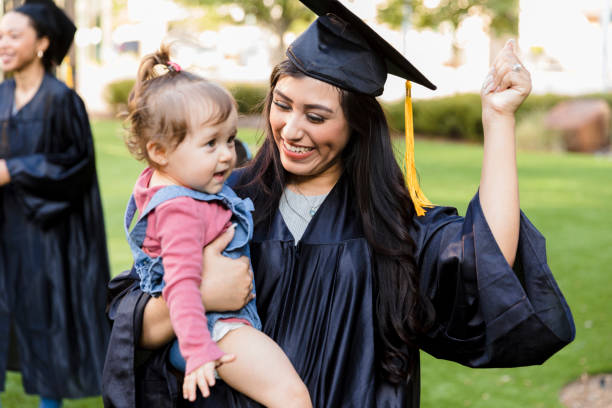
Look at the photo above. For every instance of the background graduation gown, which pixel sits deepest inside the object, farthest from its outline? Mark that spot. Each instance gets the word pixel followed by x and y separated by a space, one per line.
pixel 316 301
pixel 53 260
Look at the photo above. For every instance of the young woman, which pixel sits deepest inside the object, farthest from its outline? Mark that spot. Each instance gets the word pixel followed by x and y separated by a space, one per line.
pixel 351 280
pixel 53 261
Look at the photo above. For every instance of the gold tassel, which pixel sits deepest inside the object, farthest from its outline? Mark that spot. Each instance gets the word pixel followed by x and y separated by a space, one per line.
pixel 69 76
pixel 418 197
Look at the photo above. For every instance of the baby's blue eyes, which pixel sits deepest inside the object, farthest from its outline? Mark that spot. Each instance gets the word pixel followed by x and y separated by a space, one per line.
pixel 213 143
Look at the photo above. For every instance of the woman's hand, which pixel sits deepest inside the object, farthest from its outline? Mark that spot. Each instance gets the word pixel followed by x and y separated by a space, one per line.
pixel 203 377
pixel 226 283
pixel 507 84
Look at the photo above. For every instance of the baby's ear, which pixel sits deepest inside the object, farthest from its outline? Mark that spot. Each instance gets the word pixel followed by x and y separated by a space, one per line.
pixel 157 153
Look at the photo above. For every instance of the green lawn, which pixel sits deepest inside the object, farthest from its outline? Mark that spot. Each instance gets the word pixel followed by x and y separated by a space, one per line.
pixel 568 197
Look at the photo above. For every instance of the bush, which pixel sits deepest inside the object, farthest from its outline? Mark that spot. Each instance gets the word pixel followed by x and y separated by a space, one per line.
pixel 533 134
pixel 456 117
pixel 539 103
pixel 459 117
pixel 248 96
pixel 116 94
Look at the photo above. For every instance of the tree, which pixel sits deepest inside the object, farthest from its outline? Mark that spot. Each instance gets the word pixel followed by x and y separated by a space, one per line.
pixel 502 14
pixel 10 4
pixel 279 16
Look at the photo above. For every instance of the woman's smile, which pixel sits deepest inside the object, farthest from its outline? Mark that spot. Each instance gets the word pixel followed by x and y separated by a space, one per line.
pixel 6 57
pixel 297 152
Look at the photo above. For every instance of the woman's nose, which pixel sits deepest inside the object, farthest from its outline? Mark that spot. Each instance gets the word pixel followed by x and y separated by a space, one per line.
pixel 292 129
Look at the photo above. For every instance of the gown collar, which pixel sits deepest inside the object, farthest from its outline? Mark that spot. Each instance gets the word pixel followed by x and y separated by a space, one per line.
pixel 8 95
pixel 336 220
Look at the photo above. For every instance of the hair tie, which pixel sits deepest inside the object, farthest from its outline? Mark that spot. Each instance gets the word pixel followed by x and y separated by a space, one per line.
pixel 173 66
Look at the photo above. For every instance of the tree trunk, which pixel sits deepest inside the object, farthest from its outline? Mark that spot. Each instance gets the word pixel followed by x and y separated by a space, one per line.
pixel 278 53
pixel 456 58
pixel 8 5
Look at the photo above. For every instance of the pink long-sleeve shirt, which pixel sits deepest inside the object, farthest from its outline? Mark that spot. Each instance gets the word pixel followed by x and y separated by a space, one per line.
pixel 178 230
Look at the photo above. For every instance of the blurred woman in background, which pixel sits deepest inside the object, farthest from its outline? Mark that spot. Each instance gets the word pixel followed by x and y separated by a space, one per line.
pixel 53 260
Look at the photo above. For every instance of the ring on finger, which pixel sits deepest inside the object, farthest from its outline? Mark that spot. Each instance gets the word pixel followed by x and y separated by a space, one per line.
pixel 517 67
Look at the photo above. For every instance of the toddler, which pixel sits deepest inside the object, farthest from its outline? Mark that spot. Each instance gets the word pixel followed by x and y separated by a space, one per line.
pixel 184 127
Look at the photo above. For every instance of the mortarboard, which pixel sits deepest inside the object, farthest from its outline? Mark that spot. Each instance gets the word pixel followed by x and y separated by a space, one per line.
pixel 53 23
pixel 340 49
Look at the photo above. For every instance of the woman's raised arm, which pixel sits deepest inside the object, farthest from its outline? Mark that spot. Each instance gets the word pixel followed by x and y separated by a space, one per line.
pixel 226 285
pixel 505 88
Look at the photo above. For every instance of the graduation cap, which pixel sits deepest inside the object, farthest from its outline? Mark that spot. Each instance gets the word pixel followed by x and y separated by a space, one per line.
pixel 53 23
pixel 340 49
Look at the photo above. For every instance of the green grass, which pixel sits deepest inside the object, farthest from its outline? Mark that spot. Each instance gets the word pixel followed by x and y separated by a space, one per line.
pixel 568 197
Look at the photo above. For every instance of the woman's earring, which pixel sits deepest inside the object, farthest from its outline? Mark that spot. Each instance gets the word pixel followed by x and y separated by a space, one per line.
pixel 39 54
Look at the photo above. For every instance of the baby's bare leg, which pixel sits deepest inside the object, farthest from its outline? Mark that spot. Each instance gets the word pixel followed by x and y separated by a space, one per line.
pixel 261 370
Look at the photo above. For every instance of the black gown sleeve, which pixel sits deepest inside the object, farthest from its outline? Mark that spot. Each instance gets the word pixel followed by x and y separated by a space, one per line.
pixel 133 377
pixel 488 314
pixel 50 180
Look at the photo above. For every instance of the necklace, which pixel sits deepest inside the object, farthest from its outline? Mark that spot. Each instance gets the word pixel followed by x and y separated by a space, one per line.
pixel 300 206
pixel 305 218
pixel 314 204
pixel 297 211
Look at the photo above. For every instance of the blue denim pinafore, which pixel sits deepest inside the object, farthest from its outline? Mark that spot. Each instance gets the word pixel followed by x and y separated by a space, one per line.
pixel 151 271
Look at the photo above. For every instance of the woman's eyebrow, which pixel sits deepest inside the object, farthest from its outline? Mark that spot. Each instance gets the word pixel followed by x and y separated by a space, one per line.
pixel 307 106
pixel 321 107
pixel 282 95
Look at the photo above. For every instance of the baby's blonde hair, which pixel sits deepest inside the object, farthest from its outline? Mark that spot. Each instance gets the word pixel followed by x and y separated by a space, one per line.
pixel 166 104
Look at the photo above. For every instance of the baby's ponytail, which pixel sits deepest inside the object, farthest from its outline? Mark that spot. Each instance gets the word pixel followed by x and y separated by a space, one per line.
pixel 152 66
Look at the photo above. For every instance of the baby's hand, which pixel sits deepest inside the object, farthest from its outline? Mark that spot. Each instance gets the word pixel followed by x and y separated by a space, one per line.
pixel 204 377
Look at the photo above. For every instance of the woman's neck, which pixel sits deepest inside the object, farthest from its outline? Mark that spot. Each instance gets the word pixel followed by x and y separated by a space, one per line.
pixel 319 184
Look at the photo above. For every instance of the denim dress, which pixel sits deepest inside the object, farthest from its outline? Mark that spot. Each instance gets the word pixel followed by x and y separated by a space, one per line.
pixel 151 270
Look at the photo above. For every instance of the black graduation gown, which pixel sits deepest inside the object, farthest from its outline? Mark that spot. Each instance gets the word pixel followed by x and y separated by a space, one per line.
pixel 53 260
pixel 315 300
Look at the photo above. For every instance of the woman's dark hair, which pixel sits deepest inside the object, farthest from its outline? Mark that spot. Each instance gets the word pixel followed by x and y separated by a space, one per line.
pixel 387 214
pixel 43 30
